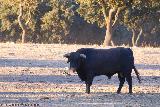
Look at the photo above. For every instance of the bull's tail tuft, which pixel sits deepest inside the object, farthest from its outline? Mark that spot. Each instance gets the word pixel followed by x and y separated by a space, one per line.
pixel 137 73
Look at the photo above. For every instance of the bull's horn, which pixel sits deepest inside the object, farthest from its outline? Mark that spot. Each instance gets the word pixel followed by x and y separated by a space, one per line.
pixel 83 56
pixel 67 55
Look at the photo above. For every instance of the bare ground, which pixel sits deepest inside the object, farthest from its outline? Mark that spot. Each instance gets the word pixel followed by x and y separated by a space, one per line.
pixel 34 74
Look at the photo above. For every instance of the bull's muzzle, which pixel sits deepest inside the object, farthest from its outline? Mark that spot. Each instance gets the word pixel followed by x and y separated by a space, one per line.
pixel 73 69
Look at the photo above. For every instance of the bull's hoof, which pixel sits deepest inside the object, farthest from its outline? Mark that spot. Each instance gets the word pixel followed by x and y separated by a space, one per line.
pixel 121 75
pixel 109 77
pixel 88 92
pixel 130 93
pixel 118 92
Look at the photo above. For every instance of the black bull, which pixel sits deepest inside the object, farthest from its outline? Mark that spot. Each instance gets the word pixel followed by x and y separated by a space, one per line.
pixel 89 62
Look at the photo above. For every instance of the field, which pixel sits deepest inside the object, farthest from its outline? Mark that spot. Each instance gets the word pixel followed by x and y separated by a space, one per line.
pixel 35 75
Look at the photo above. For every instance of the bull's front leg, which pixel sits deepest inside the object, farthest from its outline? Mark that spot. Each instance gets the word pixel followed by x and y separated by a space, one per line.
pixel 122 80
pixel 88 88
pixel 88 84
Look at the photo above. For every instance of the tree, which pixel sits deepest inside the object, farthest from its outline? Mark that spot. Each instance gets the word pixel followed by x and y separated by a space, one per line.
pixel 48 21
pixel 29 6
pixel 104 13
pixel 22 10
pixel 36 20
pixel 109 13
pixel 9 24
pixel 56 23
pixel 42 8
pixel 145 11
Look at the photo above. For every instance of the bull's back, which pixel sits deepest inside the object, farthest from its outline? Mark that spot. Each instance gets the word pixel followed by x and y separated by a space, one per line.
pixel 102 60
pixel 110 60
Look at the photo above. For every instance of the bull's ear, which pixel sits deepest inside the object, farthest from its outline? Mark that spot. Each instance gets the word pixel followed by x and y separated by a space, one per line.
pixel 67 55
pixel 83 56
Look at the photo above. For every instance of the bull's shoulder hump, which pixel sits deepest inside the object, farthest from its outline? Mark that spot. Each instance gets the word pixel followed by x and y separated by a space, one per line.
pixel 93 50
pixel 129 50
pixel 85 50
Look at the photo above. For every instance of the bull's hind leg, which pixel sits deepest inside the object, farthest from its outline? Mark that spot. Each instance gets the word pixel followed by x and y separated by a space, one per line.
pixel 129 80
pixel 122 80
pixel 88 88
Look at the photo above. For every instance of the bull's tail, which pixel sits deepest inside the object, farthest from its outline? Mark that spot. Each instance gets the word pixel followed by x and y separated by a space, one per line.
pixel 137 73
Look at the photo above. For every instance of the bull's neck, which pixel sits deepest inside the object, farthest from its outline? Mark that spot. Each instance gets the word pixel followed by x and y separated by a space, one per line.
pixel 81 73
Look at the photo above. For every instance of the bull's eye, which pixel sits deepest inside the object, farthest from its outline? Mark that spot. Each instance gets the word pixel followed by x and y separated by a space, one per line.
pixel 69 60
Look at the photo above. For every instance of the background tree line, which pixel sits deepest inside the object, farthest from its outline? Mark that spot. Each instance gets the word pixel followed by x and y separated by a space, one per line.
pixel 108 22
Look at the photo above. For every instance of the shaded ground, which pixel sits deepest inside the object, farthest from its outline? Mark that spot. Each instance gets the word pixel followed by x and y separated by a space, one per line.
pixel 34 74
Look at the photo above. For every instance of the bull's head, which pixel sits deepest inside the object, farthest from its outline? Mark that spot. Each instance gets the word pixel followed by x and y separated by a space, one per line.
pixel 75 59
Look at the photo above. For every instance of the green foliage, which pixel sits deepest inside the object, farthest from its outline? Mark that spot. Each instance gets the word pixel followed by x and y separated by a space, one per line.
pixel 51 17
pixel 8 20
pixel 51 20
pixel 137 15
pixel 56 23
pixel 92 10
pixel 9 13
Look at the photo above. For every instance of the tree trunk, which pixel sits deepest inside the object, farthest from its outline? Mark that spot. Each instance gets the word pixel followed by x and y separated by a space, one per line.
pixel 22 24
pixel 138 37
pixel 108 36
pixel 110 27
pixel 133 37
pixel 108 39
pixel 24 36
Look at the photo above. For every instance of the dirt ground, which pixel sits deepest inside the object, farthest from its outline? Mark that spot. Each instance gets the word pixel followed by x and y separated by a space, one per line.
pixel 34 75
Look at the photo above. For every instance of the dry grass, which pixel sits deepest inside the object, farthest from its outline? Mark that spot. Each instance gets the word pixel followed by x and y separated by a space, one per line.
pixel 34 73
